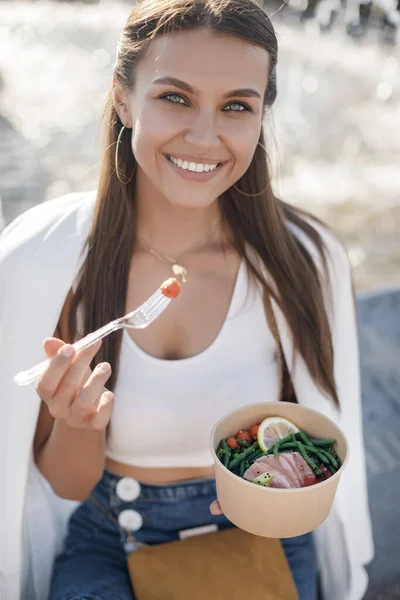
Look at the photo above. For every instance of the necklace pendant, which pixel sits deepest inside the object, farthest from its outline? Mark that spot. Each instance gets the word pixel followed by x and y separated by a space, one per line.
pixel 179 270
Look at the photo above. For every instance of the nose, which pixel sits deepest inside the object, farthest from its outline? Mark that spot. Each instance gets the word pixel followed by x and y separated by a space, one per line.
pixel 203 131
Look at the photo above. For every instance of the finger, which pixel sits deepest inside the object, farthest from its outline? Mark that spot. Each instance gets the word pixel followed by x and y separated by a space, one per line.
pixel 85 405
pixel 71 381
pixel 103 411
pixel 58 366
pixel 215 508
pixel 52 345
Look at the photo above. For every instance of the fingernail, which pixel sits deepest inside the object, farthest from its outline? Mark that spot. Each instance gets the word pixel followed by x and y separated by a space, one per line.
pixel 103 367
pixel 66 351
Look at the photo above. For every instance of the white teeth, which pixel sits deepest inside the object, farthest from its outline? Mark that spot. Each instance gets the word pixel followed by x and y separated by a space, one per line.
pixel 192 166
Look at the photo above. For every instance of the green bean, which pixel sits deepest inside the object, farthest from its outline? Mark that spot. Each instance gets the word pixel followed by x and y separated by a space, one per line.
pixel 253 455
pixel 242 468
pixel 225 446
pixel 305 439
pixel 272 449
pixel 243 443
pixel 236 461
pixel 326 442
pixel 227 456
pixel 308 460
pixel 288 445
pixel 258 455
pixel 221 453
pixel 331 450
pixel 332 460
pixel 276 450
pixel 287 438
pixel 292 438
pixel 318 453
pixel 293 446
pixel 281 445
pixel 227 459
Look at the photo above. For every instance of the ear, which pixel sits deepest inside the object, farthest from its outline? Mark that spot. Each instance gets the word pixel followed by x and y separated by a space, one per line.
pixel 120 99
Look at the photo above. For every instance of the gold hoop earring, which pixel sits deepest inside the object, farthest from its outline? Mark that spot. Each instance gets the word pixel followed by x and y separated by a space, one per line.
pixel 262 191
pixel 117 172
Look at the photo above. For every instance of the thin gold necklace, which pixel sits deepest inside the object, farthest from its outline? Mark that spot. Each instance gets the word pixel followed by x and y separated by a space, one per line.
pixel 178 269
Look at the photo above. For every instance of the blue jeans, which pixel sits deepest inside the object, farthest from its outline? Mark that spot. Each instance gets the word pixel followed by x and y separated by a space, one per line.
pixel 93 563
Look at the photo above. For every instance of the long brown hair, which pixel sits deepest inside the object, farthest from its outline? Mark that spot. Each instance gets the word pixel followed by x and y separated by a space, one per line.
pixel 261 223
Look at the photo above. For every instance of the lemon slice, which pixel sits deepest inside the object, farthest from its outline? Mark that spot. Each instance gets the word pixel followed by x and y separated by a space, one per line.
pixel 273 429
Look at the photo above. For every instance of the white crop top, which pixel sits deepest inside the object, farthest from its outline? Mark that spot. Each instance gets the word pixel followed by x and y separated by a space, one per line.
pixel 165 410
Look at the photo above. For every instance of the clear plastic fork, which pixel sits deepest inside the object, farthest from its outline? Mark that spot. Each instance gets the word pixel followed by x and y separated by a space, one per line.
pixel 140 318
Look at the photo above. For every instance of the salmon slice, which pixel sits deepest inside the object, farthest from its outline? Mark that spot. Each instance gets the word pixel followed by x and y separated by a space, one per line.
pixel 290 470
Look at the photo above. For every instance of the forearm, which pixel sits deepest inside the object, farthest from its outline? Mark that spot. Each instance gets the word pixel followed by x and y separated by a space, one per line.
pixel 72 460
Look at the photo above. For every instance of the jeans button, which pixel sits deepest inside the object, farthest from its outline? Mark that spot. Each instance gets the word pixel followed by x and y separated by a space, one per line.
pixel 130 520
pixel 128 489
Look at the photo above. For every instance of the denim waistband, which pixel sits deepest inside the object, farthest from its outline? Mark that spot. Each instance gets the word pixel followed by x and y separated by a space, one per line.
pixel 191 488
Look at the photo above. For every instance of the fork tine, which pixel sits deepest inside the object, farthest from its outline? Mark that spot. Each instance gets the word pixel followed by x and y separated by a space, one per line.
pixel 152 300
pixel 158 309
pixel 148 312
pixel 156 304
pixel 145 321
pixel 145 306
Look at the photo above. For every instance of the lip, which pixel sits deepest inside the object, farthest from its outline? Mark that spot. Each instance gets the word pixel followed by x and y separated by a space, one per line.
pixel 192 175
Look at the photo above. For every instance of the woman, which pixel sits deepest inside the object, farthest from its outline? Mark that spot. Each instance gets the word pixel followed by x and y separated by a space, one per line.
pixel 184 181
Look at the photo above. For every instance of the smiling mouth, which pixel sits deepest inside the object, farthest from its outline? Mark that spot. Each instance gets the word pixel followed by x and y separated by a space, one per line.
pixel 193 167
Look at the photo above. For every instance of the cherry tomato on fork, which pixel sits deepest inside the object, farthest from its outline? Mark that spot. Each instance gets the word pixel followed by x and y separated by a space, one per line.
pixel 170 288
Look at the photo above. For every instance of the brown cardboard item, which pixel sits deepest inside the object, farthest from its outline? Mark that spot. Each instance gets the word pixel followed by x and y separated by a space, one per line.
pixel 269 512
pixel 225 565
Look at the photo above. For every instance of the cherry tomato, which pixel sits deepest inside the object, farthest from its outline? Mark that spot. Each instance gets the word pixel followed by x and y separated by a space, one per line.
pixel 327 472
pixel 244 436
pixel 310 480
pixel 254 431
pixel 170 288
pixel 232 443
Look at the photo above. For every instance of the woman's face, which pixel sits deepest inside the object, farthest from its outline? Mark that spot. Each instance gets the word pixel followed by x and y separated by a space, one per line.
pixel 196 114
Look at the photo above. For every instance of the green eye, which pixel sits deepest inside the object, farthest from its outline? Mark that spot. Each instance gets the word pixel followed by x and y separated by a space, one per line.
pixel 237 107
pixel 174 98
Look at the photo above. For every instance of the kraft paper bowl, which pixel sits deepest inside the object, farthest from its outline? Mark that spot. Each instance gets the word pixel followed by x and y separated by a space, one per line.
pixel 269 512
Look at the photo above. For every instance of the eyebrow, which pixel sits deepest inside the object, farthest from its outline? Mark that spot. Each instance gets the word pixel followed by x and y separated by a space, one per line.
pixel 239 93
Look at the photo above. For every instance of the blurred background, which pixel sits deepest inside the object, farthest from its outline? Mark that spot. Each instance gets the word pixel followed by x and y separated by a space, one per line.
pixel 335 146
pixel 334 134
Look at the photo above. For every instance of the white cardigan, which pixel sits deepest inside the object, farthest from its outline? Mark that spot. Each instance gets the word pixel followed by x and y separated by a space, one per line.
pixel 40 254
